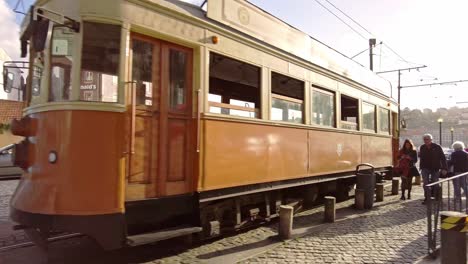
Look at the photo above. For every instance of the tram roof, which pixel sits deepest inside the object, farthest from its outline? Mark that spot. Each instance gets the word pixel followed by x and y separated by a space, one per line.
pixel 242 17
pixel 264 27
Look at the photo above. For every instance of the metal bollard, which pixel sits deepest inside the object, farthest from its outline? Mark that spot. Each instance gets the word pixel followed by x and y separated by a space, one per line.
pixel 379 190
pixel 452 242
pixel 417 180
pixel 359 199
pixel 286 221
pixel 330 212
pixel 395 185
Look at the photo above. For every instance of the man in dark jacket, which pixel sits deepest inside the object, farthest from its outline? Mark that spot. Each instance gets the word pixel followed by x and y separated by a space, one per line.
pixel 459 162
pixel 432 162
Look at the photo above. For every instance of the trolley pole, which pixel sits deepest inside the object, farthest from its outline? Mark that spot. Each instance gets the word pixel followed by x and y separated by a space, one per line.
pixel 371 57
pixel 399 89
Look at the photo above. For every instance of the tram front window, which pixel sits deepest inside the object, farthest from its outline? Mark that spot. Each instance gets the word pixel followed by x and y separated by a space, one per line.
pixel 100 62
pixel 61 64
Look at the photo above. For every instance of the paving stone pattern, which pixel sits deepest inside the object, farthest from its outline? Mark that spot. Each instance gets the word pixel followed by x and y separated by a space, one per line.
pixel 7 235
pixel 393 232
pixel 7 188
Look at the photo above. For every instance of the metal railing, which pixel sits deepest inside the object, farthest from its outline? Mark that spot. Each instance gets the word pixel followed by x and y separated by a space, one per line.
pixel 438 201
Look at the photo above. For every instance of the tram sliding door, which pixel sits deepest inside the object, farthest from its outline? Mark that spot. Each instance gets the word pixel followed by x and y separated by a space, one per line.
pixel 160 118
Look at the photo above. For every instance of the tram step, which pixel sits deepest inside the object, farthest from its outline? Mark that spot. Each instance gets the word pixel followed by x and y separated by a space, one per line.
pixel 147 238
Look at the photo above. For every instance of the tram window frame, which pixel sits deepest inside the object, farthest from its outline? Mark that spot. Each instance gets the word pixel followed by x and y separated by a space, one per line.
pixel 37 69
pixel 99 82
pixel 348 102
pixel 287 93
pixel 388 131
pixel 242 98
pixel 314 115
pixel 56 61
pixel 372 127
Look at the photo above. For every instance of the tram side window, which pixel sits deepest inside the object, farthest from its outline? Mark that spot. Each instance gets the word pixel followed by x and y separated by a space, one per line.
pixel 287 98
pixel 349 113
pixel 100 62
pixel 61 64
pixel 323 108
pixel 368 117
pixel 384 120
pixel 234 87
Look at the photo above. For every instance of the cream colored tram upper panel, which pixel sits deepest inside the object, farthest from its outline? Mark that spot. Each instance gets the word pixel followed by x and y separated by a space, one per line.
pixel 185 24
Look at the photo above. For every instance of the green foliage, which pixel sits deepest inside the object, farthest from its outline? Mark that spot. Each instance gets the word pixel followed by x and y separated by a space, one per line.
pixel 4 128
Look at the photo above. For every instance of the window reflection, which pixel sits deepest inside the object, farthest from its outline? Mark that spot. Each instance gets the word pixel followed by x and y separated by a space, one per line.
pixel 177 73
pixel 37 69
pixel 283 110
pixel 61 64
pixel 368 116
pixel 323 108
pixel 384 120
pixel 142 71
pixel 287 98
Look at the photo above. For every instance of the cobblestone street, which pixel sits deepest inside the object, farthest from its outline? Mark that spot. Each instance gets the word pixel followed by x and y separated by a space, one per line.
pixel 393 231
pixel 7 235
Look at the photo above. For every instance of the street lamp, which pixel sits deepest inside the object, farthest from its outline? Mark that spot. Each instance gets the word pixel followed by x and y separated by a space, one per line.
pixel 440 120
pixel 451 134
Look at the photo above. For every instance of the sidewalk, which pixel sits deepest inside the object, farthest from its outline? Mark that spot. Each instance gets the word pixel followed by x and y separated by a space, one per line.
pixel 393 231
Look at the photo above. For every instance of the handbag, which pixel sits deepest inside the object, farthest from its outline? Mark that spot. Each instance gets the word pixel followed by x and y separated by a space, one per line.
pixel 414 171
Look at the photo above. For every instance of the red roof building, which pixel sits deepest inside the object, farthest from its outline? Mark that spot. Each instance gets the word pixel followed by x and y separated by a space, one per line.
pixel 10 110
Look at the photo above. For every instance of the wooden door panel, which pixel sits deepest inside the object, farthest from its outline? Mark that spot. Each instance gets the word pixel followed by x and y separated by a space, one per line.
pixel 140 161
pixel 161 164
pixel 177 143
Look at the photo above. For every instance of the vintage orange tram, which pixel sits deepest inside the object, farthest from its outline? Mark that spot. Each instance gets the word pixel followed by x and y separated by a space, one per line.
pixel 150 119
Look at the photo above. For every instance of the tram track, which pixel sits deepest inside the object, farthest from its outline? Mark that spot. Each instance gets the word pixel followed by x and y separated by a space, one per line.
pixel 30 243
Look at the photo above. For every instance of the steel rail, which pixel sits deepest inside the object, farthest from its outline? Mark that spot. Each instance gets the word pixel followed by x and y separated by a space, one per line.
pixel 29 244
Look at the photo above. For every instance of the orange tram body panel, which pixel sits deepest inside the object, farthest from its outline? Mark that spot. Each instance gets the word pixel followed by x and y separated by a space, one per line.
pixel 161 117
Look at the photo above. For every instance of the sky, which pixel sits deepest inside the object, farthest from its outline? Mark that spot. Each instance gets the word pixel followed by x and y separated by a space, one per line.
pixel 421 32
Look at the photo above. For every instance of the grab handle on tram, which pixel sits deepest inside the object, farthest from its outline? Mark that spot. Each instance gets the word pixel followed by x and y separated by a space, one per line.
pixel 132 115
pixel 198 119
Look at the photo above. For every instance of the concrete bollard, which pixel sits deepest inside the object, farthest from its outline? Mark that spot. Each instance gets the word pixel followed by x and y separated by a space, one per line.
pixel 330 212
pixel 417 180
pixel 285 221
pixel 379 191
pixel 452 241
pixel 359 199
pixel 395 185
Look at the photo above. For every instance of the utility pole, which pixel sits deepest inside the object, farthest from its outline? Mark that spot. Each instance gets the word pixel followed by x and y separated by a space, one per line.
pixel 371 45
pixel 399 88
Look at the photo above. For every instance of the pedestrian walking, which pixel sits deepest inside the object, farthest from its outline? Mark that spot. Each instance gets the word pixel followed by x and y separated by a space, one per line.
pixel 459 164
pixel 432 163
pixel 406 166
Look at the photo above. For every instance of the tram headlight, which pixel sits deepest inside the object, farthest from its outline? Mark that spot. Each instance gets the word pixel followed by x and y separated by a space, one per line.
pixel 53 157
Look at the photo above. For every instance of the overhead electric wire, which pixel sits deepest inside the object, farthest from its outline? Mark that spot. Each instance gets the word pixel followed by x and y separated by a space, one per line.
pixel 331 12
pixel 365 50
pixel 357 23
pixel 396 54
pixel 362 27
